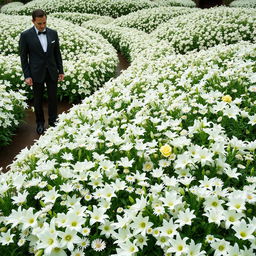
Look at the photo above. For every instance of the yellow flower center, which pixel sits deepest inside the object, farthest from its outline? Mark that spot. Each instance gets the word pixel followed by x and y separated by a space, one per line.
pixel 74 224
pixel 31 221
pixel 221 248
pixel 242 234
pixel 238 206
pixel 142 224
pixel 98 245
pixel 169 231
pixel 163 239
pixel 214 204
pixel 180 248
pixel 50 241
pixel 68 237
pixel 132 249
pixel 231 219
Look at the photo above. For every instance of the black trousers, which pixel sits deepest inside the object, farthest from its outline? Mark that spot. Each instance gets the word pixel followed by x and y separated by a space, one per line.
pixel 38 91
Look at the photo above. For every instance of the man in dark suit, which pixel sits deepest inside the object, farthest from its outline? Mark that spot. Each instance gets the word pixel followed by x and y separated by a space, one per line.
pixel 41 64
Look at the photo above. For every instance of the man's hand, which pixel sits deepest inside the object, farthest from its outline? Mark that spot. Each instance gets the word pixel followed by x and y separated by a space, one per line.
pixel 29 81
pixel 61 77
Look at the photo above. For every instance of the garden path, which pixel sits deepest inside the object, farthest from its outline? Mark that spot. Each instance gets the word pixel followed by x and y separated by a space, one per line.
pixel 26 133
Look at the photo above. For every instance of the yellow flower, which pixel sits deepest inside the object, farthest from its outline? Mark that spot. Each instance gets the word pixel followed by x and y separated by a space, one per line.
pixel 227 98
pixel 166 150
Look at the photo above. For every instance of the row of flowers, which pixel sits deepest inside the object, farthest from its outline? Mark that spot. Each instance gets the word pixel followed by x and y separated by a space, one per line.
pixel 160 159
pixel 129 41
pixel 113 8
pixel 243 3
pixel 12 106
pixel 147 20
pixel 188 32
pixel 186 3
pixel 89 60
pixel 206 28
pixel 79 18
pixel 7 8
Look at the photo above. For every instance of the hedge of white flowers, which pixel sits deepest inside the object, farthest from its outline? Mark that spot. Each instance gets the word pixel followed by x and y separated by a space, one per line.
pixel 113 8
pixel 129 41
pixel 160 160
pixel 89 60
pixel 206 28
pixel 10 6
pixel 147 20
pixel 12 107
pixel 243 3
pixel 79 18
pixel 185 3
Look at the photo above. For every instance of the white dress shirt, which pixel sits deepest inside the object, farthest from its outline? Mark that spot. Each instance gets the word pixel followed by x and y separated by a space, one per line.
pixel 43 40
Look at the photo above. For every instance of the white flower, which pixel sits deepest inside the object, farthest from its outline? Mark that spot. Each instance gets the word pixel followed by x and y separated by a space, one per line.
pixel 140 241
pixel 195 249
pixel 178 245
pixel 125 162
pixel 140 224
pixel 171 199
pixel 29 219
pixel 232 217
pixel 47 241
pixel 127 249
pixel 69 238
pixel 185 217
pixel 50 196
pixel 97 215
pixel 220 246
pixel 106 228
pixel 74 222
pixel 214 216
pixel 98 245
pixel 6 237
pixel 77 252
pixel 244 231
pixel 20 198
pixel 169 228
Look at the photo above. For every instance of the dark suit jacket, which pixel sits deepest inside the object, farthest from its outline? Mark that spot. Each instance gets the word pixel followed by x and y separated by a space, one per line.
pixel 35 61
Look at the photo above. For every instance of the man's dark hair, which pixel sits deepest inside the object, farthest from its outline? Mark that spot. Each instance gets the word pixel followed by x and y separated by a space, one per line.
pixel 38 13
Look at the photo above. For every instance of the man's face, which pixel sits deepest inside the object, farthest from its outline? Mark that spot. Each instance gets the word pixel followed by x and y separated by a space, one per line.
pixel 40 23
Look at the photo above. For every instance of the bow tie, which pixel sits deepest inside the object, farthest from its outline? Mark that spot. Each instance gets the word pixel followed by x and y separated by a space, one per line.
pixel 39 33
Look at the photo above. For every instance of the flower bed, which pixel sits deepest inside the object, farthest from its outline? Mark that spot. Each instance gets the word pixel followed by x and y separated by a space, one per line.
pixel 10 6
pixel 131 42
pixel 89 60
pixel 12 106
pixel 79 18
pixel 159 160
pixel 148 20
pixel 206 28
pixel 185 3
pixel 243 3
pixel 10 70
pixel 113 8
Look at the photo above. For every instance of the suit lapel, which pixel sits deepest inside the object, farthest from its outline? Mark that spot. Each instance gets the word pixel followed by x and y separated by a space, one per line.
pixel 48 36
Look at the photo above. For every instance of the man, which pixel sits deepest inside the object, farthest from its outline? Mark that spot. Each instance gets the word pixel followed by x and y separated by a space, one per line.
pixel 41 63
